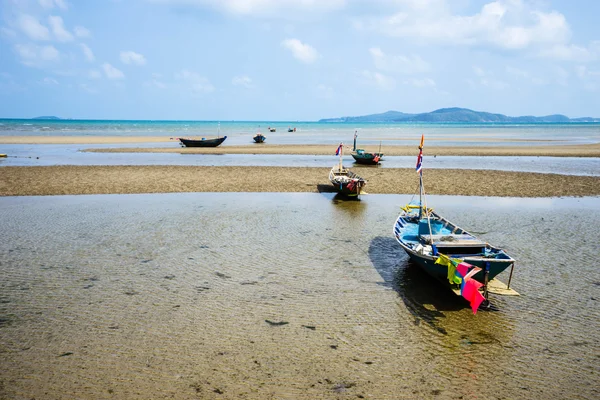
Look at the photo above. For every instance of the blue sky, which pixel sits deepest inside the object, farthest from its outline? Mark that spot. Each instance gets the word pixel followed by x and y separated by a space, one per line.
pixel 296 59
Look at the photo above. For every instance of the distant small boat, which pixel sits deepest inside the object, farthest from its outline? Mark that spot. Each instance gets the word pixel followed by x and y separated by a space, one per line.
pixel 346 182
pixel 364 157
pixel 259 138
pixel 202 142
pixel 271 129
pixel 291 129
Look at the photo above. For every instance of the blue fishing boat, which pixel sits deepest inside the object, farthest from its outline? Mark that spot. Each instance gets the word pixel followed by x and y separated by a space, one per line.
pixel 364 157
pixel 259 137
pixel 449 253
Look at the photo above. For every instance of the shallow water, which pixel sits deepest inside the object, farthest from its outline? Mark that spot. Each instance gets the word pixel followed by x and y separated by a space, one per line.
pixel 241 132
pixel 48 155
pixel 287 296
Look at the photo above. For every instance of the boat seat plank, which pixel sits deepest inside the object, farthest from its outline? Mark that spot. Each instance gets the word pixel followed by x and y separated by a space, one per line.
pixel 453 240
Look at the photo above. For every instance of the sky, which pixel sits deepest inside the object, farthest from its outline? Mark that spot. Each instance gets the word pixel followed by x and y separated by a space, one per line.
pixel 296 60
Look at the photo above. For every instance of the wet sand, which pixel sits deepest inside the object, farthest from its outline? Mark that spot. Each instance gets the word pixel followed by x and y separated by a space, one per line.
pixel 550 148
pixel 591 150
pixel 73 180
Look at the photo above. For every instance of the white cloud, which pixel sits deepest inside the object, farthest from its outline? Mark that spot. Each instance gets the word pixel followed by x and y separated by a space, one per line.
pixel 568 53
pixel 324 91
pixel 420 83
pixel 517 72
pixel 8 33
pixel 87 88
pixel 195 82
pixel 33 28
pixel 487 79
pixel 502 24
pixel 401 64
pixel 303 52
pixel 81 32
pixel 111 72
pixel 89 55
pixel 49 81
pixel 37 56
pixel 94 74
pixel 49 53
pixel 156 83
pixel 131 57
pixel 478 71
pixel 562 76
pixel 286 8
pixel 378 80
pixel 48 4
pixel 58 28
pixel 242 80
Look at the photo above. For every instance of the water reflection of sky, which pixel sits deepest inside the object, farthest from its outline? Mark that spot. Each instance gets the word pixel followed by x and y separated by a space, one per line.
pixel 47 155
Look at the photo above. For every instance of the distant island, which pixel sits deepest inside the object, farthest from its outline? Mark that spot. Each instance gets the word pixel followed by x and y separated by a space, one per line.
pixel 46 117
pixel 456 114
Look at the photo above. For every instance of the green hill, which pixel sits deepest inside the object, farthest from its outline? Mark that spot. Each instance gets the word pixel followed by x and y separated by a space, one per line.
pixel 459 115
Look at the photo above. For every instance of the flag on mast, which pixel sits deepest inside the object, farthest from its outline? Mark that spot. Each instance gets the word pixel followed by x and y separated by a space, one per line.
pixel 339 150
pixel 419 167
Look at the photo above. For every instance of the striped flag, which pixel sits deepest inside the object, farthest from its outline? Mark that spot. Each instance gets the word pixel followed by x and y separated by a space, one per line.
pixel 419 167
pixel 339 150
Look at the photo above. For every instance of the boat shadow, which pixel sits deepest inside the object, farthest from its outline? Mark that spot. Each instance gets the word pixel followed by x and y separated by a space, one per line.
pixel 425 298
pixel 322 188
pixel 331 193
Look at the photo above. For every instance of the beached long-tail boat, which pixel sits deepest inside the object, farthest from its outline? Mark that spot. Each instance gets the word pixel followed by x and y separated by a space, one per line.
pixel 346 182
pixel 259 137
pixel 202 142
pixel 364 157
pixel 450 254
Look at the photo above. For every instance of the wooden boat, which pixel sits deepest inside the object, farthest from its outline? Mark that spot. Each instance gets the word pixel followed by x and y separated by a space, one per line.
pixel 259 138
pixel 202 142
pixel 363 157
pixel 433 243
pixel 291 130
pixel 346 182
pixel 271 129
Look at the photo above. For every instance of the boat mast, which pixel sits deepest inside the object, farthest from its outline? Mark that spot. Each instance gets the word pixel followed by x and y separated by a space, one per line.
pixel 355 134
pixel 422 191
pixel 420 195
pixel 420 167
pixel 341 151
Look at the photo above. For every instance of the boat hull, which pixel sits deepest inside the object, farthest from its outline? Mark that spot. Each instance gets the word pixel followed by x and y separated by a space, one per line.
pixel 440 272
pixel 346 182
pixel 202 142
pixel 444 237
pixel 367 158
pixel 259 138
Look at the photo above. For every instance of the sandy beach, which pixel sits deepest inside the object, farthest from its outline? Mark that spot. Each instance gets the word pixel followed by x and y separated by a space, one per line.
pixel 72 180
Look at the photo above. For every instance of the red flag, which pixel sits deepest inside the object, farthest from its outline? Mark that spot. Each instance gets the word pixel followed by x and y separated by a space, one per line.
pixel 339 150
pixel 419 166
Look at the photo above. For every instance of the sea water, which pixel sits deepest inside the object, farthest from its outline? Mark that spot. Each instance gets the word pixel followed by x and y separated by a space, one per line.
pixel 295 295
pixel 241 132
